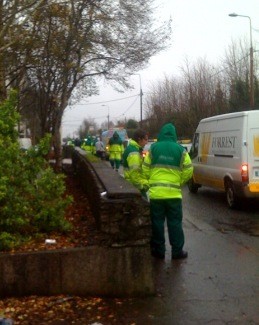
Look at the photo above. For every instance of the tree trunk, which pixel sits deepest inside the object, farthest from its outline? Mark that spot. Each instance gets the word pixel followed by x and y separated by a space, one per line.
pixel 57 148
pixel 3 94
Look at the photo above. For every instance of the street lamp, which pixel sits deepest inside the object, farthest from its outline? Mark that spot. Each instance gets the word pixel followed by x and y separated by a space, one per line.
pixel 251 60
pixel 108 116
pixel 141 96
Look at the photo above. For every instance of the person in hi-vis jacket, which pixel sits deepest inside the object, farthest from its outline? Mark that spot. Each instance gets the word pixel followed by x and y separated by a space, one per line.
pixel 167 167
pixel 116 150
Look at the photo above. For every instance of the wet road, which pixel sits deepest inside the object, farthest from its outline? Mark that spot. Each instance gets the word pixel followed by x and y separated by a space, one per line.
pixel 210 206
pixel 219 282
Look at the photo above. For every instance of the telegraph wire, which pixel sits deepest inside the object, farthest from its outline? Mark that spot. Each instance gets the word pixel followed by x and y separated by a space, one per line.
pixel 107 101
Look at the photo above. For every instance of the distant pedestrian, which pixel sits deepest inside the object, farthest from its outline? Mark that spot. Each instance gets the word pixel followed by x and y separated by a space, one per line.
pixel 167 166
pixel 77 142
pixel 87 145
pixel 132 161
pixel 99 148
pixel 116 150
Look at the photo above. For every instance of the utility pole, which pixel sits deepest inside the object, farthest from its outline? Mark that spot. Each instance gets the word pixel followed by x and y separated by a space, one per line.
pixel 108 116
pixel 251 72
pixel 140 97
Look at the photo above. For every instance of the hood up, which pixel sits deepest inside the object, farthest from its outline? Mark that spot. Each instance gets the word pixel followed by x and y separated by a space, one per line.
pixel 168 133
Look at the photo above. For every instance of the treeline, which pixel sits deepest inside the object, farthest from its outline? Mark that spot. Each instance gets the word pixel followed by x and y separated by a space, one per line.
pixel 202 90
pixel 53 52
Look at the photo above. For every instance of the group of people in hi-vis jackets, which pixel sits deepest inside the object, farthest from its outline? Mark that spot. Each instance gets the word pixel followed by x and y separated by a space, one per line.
pixel 164 170
pixel 95 146
pixel 159 176
pixel 88 145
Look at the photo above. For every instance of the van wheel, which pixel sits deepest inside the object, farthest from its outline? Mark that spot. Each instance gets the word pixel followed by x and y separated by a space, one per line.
pixel 193 187
pixel 230 194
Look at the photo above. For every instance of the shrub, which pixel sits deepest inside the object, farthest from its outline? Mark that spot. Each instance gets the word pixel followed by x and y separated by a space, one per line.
pixel 32 196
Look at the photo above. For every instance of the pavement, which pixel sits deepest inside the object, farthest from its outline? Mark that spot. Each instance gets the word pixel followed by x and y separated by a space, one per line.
pixel 217 284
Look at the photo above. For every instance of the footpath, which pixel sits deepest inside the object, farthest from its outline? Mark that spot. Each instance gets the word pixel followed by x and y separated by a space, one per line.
pixel 217 284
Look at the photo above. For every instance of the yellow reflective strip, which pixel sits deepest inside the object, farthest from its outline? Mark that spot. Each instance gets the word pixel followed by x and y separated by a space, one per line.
pixel 145 164
pixel 166 166
pixel 164 185
pixel 135 166
pixel 134 153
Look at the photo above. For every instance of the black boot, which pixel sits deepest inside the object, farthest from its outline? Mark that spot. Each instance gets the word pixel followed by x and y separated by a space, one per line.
pixel 182 254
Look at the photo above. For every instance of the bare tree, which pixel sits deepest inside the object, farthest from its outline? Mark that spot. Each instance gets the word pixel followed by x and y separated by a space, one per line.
pixel 88 127
pixel 72 42
pixel 236 72
pixel 202 90
pixel 186 99
pixel 13 16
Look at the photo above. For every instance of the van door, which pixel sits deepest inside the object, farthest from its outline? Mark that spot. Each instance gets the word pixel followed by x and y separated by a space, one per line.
pixel 202 159
pixel 253 159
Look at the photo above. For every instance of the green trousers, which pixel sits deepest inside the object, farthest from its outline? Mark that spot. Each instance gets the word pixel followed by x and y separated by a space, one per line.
pixel 115 163
pixel 171 211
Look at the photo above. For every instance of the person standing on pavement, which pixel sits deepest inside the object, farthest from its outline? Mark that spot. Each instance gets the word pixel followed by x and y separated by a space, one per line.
pixel 132 161
pixel 88 145
pixel 116 150
pixel 168 167
pixel 99 148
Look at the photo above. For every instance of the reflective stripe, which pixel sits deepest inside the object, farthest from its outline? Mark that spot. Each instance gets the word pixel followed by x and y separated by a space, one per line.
pixel 145 164
pixel 166 166
pixel 135 166
pixel 134 153
pixel 164 185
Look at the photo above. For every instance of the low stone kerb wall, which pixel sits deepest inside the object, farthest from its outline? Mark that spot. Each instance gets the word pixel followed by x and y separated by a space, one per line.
pixel 120 266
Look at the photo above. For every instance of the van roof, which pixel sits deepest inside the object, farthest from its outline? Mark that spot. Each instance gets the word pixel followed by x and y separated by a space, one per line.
pixel 231 115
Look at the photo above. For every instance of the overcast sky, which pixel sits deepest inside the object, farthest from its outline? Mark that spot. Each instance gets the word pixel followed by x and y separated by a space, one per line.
pixel 201 29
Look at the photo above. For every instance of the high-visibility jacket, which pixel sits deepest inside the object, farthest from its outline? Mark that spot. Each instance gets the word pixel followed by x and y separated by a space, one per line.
pixel 115 147
pixel 132 161
pixel 167 165
pixel 88 145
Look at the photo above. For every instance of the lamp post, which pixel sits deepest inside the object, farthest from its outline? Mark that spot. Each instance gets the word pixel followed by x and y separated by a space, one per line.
pixel 141 96
pixel 108 116
pixel 251 60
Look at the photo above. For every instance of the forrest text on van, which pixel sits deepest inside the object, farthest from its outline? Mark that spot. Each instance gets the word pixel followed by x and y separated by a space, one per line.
pixel 225 155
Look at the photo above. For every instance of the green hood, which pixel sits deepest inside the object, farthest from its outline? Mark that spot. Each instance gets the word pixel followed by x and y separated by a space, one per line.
pixel 115 135
pixel 115 139
pixel 168 133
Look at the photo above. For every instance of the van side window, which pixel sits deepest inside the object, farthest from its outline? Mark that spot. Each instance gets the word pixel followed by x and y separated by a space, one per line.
pixel 195 146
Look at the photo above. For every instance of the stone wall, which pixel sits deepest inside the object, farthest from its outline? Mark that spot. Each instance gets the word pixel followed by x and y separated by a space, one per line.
pixel 88 271
pixel 118 207
pixel 119 266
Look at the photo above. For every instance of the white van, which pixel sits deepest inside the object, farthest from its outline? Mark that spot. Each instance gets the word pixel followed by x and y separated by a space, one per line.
pixel 225 155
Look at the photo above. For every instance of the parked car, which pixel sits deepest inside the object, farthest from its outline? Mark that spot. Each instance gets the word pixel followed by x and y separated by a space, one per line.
pixel 147 147
pixel 187 144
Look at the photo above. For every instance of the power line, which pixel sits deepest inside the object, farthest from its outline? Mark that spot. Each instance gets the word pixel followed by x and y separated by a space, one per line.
pixel 127 108
pixel 227 68
pixel 107 101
